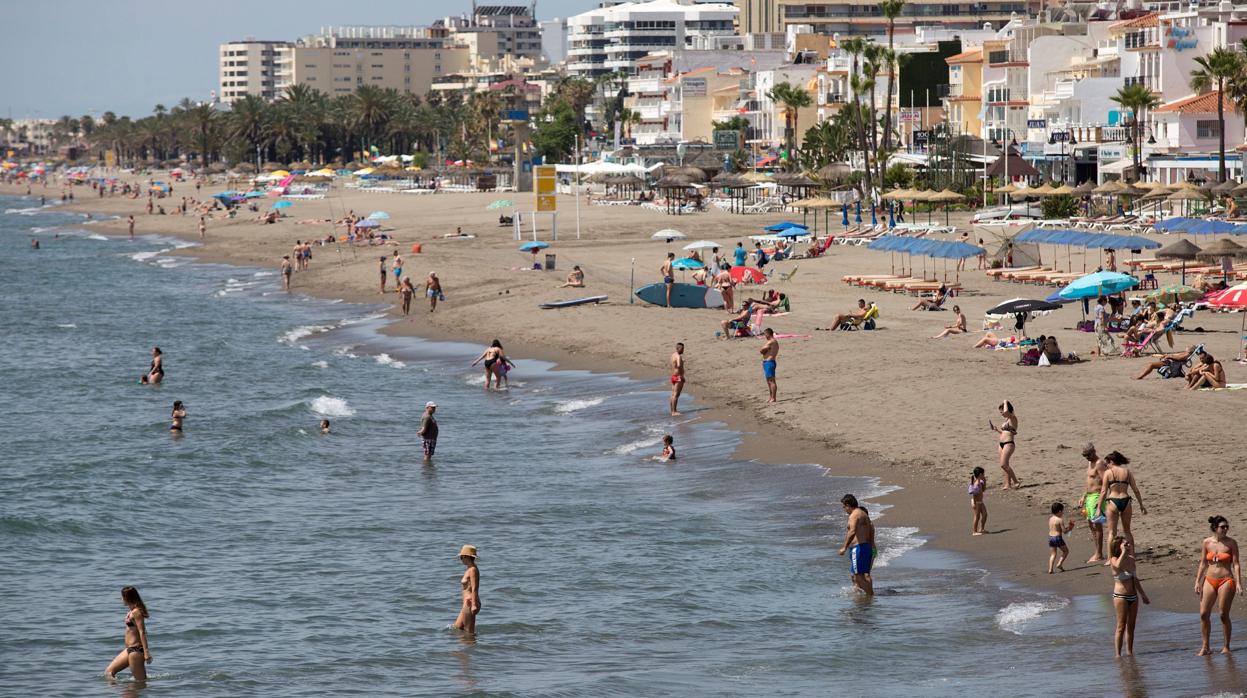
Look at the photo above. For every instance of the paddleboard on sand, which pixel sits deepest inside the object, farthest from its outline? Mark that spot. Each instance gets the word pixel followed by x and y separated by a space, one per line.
pixel 575 301
pixel 682 296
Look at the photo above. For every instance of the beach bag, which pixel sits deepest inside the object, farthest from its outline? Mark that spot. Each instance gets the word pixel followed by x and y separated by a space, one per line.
pixel 1171 369
pixel 1030 358
pixel 1043 360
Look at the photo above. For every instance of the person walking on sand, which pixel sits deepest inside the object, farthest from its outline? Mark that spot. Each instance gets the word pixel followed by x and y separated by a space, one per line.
pixel 668 275
pixel 382 270
pixel 137 653
pixel 203 228
pixel 130 223
pixel 1090 502
pixel 398 270
pixel 428 431
pixel 978 508
pixel 471 583
pixel 677 378
pixel 1008 431
pixel 407 291
pixel 859 542
pixel 770 357
pixel 433 289
pixel 1057 528
pixel 1217 580
pixel 1115 495
pixel 287 268
pixel 1127 592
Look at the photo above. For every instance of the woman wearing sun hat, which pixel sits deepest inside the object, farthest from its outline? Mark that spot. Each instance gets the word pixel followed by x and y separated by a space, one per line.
pixel 471 582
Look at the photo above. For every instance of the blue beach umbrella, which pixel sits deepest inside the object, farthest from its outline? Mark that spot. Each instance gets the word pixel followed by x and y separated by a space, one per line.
pixel 253 195
pixel 792 233
pixel 533 246
pixel 282 204
pixel 687 263
pixel 379 216
pixel 891 217
pixel 225 195
pixel 368 223
pixel 1101 283
pixel 844 215
pixel 782 225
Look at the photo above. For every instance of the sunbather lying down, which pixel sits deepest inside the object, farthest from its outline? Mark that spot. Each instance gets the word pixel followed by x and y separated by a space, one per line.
pixel 991 340
pixel 1170 363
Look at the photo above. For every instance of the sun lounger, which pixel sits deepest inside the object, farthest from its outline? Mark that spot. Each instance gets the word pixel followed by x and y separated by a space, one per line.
pixel 998 274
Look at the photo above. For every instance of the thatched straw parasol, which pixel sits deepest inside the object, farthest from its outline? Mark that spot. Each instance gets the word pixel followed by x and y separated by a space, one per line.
pixel 1224 247
pixel 693 174
pixel 1110 187
pixel 835 172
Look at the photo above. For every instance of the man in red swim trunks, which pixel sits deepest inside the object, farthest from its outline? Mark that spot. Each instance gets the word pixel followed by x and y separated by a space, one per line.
pixel 677 377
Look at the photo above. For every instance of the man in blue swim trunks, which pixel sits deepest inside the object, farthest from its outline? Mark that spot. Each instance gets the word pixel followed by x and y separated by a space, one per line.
pixel 770 352
pixel 859 542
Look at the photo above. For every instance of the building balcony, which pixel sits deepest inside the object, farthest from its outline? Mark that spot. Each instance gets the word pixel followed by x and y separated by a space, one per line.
pixel 646 85
pixel 648 111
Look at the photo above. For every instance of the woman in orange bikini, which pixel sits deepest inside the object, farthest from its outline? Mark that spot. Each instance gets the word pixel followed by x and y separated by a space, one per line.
pixel 1217 580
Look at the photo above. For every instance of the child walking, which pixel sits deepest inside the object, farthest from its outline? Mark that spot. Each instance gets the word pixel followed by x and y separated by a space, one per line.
pixel 978 484
pixel 1057 528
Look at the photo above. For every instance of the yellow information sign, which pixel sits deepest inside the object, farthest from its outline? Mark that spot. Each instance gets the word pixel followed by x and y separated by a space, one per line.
pixel 544 182
pixel 110 158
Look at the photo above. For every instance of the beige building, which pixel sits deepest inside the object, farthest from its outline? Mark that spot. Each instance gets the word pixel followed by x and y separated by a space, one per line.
pixel 336 70
pixel 862 17
pixel 248 67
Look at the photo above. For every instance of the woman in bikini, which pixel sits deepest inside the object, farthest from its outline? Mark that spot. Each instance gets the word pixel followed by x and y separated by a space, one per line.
pixel 407 290
pixel 1115 495
pixel 1008 431
pixel 1127 592
pixel 156 372
pixel 471 583
pixel 178 414
pixel 978 484
pixel 1217 580
pixel 492 355
pixel 136 654
pixel 1209 374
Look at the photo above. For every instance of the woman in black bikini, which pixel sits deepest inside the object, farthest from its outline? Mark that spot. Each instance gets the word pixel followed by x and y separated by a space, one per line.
pixel 156 372
pixel 1217 581
pixel 1115 489
pixel 137 654
pixel 1007 430
pixel 1127 592
pixel 491 356
pixel 178 414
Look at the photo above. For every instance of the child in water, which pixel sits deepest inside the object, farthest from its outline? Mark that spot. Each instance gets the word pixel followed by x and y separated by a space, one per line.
pixel 324 426
pixel 1057 528
pixel 668 449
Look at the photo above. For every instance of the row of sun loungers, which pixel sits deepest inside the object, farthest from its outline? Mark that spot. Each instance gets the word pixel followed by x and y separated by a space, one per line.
pixel 914 286
pixel 1034 275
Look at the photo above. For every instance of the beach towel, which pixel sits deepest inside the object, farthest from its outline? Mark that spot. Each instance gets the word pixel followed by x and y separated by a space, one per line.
pixel 791 336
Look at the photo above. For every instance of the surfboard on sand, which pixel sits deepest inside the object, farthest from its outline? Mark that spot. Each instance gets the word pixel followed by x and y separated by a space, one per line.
pixel 575 301
pixel 682 296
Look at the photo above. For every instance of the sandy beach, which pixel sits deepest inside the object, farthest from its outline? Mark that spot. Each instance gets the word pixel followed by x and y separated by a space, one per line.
pixel 892 403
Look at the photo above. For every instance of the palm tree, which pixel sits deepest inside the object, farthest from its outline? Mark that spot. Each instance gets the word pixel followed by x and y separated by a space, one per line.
pixel 371 109
pixel 627 117
pixel 890 9
pixel 793 99
pixel 1217 68
pixel 1137 98
pixel 249 123
pixel 578 94
pixel 202 120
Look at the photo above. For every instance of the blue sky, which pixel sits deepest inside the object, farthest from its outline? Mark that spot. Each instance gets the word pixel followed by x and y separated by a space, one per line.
pixel 90 56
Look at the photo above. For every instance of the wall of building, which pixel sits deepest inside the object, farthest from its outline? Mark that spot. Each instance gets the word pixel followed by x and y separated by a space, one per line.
pixel 338 71
pixel 248 67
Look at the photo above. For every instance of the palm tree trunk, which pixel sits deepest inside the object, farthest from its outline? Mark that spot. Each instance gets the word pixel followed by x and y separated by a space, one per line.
pixel 1221 131
pixel 887 107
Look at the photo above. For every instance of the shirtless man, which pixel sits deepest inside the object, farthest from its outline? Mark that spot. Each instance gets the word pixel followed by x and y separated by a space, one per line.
pixel 746 309
pixel 287 268
pixel 1178 358
pixel 677 378
pixel 841 319
pixel 1090 501
pixel 668 277
pixel 859 537
pixel 770 354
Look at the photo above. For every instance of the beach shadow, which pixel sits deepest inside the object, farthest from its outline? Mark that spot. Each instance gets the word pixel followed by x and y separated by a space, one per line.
pixel 992 533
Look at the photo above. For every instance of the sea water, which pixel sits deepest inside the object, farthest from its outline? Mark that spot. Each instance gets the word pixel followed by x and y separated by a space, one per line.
pixel 278 561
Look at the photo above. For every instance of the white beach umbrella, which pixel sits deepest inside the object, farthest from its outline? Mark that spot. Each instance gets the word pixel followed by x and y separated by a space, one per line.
pixel 702 245
pixel 668 234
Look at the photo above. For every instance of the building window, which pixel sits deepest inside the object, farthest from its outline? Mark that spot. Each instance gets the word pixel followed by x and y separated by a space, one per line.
pixel 1207 129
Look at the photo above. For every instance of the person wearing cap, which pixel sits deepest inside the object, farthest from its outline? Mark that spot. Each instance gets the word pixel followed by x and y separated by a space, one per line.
pixel 433 289
pixel 471 582
pixel 428 431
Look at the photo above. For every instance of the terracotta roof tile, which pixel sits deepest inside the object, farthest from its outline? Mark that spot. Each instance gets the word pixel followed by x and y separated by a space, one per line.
pixel 1195 104
pixel 971 56
pixel 1148 20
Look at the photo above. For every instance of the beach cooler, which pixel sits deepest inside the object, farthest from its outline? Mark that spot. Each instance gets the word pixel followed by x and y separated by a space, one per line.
pixel 550 262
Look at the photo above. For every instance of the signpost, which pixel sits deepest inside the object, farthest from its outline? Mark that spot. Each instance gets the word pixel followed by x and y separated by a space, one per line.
pixel 727 140
pixel 544 176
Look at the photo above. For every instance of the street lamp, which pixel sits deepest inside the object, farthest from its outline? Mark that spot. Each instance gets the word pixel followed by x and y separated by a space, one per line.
pixel 1066 136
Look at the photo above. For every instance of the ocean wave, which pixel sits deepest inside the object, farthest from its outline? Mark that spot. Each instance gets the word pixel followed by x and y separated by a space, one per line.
pixel 894 542
pixel 329 406
pixel 302 331
pixel 569 406
pixel 653 437
pixel 144 256
pixel 23 211
pixel 264 273
pixel 320 364
pixel 67 326
pixel 387 360
pixel 1015 616
pixel 97 236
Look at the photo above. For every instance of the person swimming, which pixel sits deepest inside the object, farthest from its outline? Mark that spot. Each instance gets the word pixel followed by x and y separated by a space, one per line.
pixel 324 426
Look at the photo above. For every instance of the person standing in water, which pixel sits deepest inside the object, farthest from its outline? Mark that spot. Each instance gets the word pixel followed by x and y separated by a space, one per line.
pixel 770 355
pixel 428 431
pixel 1127 592
pixel 677 378
pixel 177 415
pixel 978 484
pixel 287 268
pixel 471 583
pixel 1008 431
pixel 1091 500
pixel 1218 579
pixel 137 654
pixel 130 222
pixel 156 372
pixel 860 540
pixel 491 356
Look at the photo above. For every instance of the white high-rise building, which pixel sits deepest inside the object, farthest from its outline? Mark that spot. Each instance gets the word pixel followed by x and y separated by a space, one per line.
pixel 614 39
pixel 248 67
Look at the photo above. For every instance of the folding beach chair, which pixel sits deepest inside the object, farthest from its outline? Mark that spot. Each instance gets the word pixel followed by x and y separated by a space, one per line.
pixel 865 322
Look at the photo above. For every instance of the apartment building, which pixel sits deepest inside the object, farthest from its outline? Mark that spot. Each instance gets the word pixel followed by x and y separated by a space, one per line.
pixel 863 17
pixel 248 67
pixel 964 103
pixel 341 59
pixel 504 30
pixel 616 38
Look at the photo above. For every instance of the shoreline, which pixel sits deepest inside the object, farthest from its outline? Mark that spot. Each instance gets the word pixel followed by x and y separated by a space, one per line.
pixel 924 499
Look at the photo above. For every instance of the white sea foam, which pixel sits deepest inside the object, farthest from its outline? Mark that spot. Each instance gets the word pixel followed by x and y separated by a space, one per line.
pixel 303 331
pixel 1015 616
pixel 345 351
pixel 264 273
pixel 97 236
pixel 634 446
pixel 320 364
pixel 331 406
pixel 23 211
pixel 67 326
pixel 144 256
pixel 569 406
pixel 894 542
pixel 387 360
